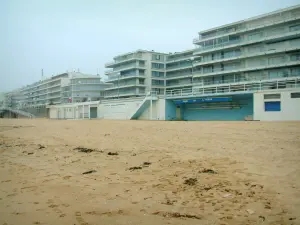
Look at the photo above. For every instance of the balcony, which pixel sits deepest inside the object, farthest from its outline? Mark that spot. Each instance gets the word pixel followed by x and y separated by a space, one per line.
pixel 121 86
pixel 239 88
pixel 171 59
pixel 263 51
pixel 240 42
pixel 122 60
pixel 123 94
pixel 126 67
pixel 282 19
pixel 237 69
pixel 124 77
pixel 179 67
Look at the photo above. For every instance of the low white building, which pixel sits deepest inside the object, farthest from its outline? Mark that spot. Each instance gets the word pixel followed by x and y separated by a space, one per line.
pixel 277 105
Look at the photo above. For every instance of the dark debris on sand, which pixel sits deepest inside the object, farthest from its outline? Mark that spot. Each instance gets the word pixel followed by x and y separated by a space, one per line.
pixel 208 171
pixel 90 171
pixel 135 168
pixel 190 181
pixel 112 153
pixel 85 150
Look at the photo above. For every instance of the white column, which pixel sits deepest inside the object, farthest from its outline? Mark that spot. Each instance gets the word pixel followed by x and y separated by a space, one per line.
pixel 82 111
pixel 151 108
pixel 89 111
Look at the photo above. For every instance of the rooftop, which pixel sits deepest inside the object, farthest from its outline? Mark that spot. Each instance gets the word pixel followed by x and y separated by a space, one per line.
pixel 139 51
pixel 251 19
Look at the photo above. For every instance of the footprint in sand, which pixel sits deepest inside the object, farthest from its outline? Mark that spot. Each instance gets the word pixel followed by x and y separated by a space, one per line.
pixel 67 177
pixel 79 219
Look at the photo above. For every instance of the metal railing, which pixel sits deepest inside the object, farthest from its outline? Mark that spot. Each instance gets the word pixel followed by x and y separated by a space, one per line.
pixel 248 27
pixel 241 87
pixel 236 69
pixel 261 51
pixel 244 41
pixel 126 67
pixel 124 59
pixel 127 76
pixel 17 111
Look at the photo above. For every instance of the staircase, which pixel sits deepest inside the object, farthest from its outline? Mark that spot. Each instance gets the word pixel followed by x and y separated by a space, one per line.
pixel 151 96
pixel 17 111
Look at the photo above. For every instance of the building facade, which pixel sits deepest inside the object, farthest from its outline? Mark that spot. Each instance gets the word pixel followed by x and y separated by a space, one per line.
pixel 231 75
pixel 135 74
pixel 63 88
pixel 234 62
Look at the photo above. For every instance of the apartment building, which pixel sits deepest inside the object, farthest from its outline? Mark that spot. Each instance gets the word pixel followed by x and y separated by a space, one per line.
pixel 180 70
pixel 135 74
pixel 67 87
pixel 263 48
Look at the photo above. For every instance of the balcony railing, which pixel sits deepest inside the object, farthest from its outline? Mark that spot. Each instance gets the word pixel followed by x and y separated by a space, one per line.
pixel 123 60
pixel 282 19
pixel 236 69
pixel 122 94
pixel 126 67
pixel 241 55
pixel 234 88
pixel 180 66
pixel 234 43
pixel 122 77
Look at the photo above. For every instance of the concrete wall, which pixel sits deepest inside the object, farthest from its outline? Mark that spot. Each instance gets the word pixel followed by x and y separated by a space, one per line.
pixel 158 111
pixel 290 107
pixel 71 111
pixel 120 109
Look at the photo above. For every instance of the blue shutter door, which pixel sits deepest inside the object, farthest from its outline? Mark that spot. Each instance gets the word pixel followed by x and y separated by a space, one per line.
pixel 272 106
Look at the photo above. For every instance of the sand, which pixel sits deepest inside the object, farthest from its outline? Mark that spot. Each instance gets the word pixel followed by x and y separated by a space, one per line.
pixel 156 173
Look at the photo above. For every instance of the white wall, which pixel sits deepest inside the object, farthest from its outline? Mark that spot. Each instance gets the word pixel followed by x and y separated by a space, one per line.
pixel 290 107
pixel 158 111
pixel 111 109
pixel 120 109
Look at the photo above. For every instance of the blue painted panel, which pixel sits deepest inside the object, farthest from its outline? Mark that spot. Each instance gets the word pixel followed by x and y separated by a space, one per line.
pixel 240 107
pixel 216 99
pixel 272 106
pixel 170 110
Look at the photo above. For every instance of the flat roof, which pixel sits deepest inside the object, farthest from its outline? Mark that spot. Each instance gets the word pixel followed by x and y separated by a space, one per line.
pixel 251 18
pixel 182 52
pixel 138 51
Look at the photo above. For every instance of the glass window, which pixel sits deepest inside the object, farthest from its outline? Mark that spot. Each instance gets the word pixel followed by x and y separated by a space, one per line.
pixel 295 95
pixel 157 65
pixel 255 36
pixel 276 60
pixel 271 96
pixel 295 27
pixel 295 57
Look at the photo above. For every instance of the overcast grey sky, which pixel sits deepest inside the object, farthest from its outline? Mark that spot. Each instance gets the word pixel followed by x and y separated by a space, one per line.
pixel 58 35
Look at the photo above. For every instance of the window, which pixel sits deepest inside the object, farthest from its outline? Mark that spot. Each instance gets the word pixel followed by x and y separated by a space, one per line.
pixel 295 71
pixel 157 65
pixel 272 106
pixel 295 27
pixel 295 95
pixel 276 60
pixel 157 74
pixel 255 36
pixel 157 57
pixel 295 57
pixel 271 96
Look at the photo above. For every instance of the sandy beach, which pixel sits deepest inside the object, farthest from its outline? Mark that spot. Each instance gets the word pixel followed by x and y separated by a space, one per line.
pixel 149 172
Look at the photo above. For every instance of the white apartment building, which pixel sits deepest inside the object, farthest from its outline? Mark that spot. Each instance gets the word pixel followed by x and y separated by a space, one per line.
pixel 135 74
pixel 67 87
pixel 263 49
